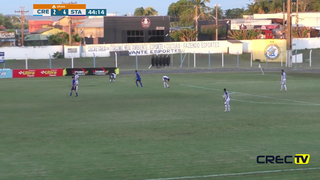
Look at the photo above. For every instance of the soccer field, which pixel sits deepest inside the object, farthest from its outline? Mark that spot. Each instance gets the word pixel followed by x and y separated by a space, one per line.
pixel 117 131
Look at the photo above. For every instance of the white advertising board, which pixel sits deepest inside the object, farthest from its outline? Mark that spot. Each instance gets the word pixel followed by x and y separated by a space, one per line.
pixel 159 48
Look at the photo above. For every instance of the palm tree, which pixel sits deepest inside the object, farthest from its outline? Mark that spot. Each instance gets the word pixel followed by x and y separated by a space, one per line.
pixel 149 11
pixel 220 13
pixel 315 6
pixel 260 7
pixel 306 5
pixel 201 9
pixel 276 6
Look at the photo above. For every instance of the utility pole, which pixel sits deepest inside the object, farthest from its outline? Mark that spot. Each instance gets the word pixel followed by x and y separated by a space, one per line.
pixel 22 12
pixel 289 33
pixel 70 23
pixel 217 30
pixel 297 14
pixel 196 21
pixel 70 30
pixel 283 11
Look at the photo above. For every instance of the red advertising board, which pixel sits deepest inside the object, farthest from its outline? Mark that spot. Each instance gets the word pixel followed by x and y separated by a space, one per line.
pixel 28 73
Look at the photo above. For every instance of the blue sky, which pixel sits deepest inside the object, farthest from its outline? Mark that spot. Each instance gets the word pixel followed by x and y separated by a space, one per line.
pixel 120 6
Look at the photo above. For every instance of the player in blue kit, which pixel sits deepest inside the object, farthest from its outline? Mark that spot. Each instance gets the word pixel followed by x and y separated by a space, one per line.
pixel 138 79
pixel 74 87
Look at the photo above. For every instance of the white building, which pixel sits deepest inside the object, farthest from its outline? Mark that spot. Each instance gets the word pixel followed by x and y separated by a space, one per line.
pixel 307 19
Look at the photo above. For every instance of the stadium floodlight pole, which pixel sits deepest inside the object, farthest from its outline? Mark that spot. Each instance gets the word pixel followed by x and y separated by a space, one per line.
pixel 22 12
pixel 289 32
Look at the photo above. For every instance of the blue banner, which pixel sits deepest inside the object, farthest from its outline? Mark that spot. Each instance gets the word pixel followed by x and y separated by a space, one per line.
pixel 6 73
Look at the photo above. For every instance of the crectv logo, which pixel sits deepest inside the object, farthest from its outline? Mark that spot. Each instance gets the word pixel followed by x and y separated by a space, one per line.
pixel 298 159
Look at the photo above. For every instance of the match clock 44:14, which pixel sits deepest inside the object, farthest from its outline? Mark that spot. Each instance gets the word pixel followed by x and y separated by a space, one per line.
pixel 96 12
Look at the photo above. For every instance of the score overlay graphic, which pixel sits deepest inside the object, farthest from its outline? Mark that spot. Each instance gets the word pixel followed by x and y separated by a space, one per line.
pixel 66 10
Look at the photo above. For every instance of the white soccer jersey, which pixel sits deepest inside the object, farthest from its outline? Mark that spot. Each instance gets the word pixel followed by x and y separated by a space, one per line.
pixel 113 75
pixel 165 78
pixel 76 77
pixel 283 76
pixel 226 96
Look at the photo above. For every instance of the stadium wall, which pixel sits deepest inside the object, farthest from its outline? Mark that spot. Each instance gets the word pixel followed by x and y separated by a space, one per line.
pixel 103 50
pixel 299 44
pixel 30 52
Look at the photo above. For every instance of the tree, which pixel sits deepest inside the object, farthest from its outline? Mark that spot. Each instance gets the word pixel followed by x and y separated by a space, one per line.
pixel 139 11
pixel 261 7
pixel 305 5
pixel 220 13
pixel 184 11
pixel 276 6
pixel 62 38
pixel 11 22
pixel 211 30
pixel 149 11
pixel 300 32
pixel 244 34
pixel 184 35
pixel 234 13
pixel 315 6
pixel 76 38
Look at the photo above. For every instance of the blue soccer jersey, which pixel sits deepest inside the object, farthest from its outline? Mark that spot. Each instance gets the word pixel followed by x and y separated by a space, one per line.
pixel 138 76
pixel 73 85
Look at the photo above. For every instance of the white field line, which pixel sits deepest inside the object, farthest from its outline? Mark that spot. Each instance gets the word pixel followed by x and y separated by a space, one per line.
pixel 256 102
pixel 237 174
pixel 263 96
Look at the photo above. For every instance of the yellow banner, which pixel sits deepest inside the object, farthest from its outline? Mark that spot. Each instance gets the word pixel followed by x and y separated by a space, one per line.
pixel 271 49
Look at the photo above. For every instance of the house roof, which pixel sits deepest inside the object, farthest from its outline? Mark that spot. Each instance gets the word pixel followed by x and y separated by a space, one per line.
pixel 35 37
pixel 74 17
pixel 2 27
pixel 40 31
pixel 92 23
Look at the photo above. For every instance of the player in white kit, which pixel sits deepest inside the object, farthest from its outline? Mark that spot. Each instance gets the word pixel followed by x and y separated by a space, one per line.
pixel 112 77
pixel 76 77
pixel 283 81
pixel 165 80
pixel 226 99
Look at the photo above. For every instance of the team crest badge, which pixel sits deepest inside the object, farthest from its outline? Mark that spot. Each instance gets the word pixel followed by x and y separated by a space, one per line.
pixel 272 52
pixel 145 23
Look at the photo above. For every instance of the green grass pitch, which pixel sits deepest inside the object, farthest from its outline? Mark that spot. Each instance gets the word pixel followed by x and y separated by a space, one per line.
pixel 117 131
